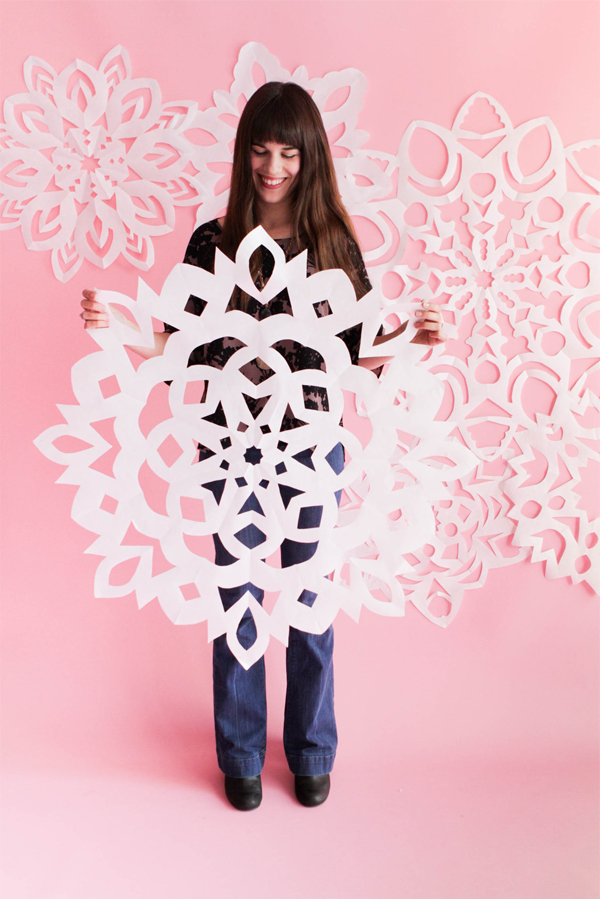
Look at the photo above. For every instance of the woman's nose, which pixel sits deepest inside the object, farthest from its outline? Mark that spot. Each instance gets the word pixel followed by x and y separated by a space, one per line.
pixel 273 164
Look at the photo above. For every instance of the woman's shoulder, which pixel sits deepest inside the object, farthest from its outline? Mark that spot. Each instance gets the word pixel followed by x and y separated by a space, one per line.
pixel 201 247
pixel 209 232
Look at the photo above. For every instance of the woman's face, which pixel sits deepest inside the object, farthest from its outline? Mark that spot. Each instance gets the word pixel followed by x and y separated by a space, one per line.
pixel 275 169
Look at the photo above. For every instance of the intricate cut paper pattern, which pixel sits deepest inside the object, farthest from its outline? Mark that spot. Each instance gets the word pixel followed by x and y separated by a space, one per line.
pixel 266 476
pixel 497 238
pixel 92 163
pixel 500 226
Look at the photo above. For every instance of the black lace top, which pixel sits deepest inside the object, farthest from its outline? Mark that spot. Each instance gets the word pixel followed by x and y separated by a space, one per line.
pixel 201 252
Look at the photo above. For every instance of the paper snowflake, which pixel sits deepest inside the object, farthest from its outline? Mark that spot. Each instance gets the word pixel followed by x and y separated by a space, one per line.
pixel 265 473
pixel 93 163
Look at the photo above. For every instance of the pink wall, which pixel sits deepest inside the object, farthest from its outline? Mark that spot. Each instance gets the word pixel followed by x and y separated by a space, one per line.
pixel 95 682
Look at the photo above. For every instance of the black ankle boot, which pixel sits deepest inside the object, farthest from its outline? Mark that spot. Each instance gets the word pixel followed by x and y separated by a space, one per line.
pixel 244 793
pixel 312 789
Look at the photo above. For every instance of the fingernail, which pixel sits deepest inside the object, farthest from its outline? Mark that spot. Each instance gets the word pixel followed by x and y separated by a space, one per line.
pixel 418 313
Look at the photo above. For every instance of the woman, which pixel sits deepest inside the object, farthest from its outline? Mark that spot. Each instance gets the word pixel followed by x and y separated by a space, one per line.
pixel 283 179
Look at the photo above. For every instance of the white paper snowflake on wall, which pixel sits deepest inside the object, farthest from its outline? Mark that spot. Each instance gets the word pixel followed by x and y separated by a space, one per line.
pixel 512 256
pixel 92 163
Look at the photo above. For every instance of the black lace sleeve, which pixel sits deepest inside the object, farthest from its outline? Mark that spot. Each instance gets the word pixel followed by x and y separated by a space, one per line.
pixel 201 248
pixel 359 267
pixel 201 252
pixel 351 336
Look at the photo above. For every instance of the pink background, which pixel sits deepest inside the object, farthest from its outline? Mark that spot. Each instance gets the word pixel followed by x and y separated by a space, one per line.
pixel 468 757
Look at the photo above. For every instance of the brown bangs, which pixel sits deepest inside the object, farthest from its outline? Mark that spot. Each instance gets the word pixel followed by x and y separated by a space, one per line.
pixel 277 122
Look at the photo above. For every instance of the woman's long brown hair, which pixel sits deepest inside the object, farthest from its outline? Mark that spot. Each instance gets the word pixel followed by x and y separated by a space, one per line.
pixel 285 113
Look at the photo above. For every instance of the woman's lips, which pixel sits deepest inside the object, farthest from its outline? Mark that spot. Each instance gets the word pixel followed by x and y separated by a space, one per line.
pixel 271 183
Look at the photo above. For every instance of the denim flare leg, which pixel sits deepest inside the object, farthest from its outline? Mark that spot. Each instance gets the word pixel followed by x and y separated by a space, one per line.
pixel 309 734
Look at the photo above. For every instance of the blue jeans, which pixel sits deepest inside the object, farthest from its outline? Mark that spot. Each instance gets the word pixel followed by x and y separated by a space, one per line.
pixel 240 705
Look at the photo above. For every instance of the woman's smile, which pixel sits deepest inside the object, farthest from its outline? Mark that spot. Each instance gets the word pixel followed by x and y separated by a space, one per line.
pixel 271 183
pixel 275 169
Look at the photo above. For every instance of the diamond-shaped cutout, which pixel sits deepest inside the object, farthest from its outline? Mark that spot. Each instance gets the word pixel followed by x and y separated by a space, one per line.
pixel 433 282
pixel 192 508
pixel 310 517
pixel 109 504
pixel 307 598
pixel 169 451
pixel 333 460
pixel 195 305
pixel 109 386
pixel 536 276
pixel 251 536
pixel 321 309
pixel 190 591
pixel 257 371
pixel 315 398
pixel 195 392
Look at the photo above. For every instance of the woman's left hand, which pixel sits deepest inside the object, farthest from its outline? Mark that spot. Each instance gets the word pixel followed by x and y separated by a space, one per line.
pixel 429 325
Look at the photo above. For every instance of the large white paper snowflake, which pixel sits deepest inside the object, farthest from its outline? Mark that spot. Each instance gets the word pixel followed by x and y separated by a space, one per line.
pixel 92 163
pixel 266 474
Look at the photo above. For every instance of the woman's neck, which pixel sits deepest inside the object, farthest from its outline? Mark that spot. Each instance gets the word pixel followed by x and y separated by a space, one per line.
pixel 276 219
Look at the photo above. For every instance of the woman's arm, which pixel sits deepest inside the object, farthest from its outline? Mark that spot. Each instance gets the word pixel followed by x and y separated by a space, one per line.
pixel 94 315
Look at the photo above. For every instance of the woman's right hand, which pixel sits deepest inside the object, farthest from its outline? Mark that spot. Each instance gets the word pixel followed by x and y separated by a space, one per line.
pixel 94 314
